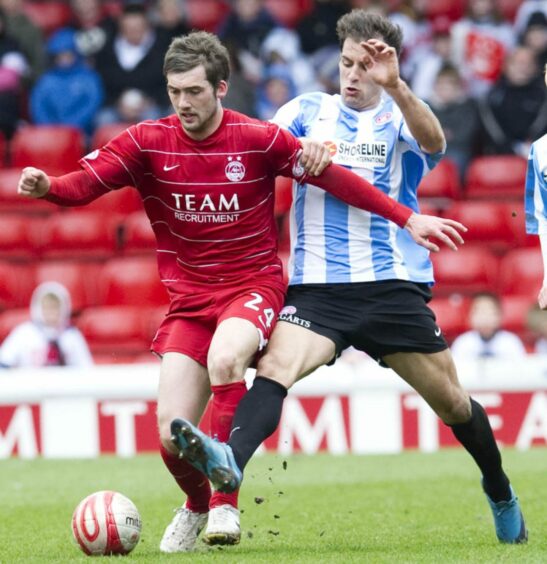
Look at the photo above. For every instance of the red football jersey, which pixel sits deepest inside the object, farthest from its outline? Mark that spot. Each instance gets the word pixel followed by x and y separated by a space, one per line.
pixel 210 202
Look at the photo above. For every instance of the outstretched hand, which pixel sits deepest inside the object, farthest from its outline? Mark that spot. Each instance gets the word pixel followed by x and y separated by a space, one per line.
pixel 422 228
pixel 33 183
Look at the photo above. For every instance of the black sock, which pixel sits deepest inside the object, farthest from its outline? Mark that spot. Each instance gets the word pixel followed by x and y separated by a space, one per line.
pixel 477 438
pixel 256 418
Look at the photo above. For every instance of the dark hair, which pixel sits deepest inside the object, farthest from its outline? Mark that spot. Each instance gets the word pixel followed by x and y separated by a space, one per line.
pixel 448 69
pixel 198 48
pixel 361 25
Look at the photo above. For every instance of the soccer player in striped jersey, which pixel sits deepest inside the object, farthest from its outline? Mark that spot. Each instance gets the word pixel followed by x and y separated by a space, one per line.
pixel 536 201
pixel 356 280
pixel 206 176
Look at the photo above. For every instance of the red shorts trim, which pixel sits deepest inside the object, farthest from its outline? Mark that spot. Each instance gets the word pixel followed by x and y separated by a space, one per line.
pixel 193 317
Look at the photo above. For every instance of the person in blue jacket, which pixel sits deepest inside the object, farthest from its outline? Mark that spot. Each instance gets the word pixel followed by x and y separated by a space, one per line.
pixel 69 93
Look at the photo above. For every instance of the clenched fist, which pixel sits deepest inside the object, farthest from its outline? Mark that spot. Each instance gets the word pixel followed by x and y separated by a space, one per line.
pixel 34 183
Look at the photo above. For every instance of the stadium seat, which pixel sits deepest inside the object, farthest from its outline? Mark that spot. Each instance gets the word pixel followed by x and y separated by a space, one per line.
pixel 131 281
pixel 84 235
pixel 48 15
pixel 521 273
pixel 487 222
pixel 509 8
pixel 104 133
pixel 79 278
pixel 451 313
pixel 205 14
pixel 283 195
pixel 17 236
pixel 288 12
pixel 123 202
pixel 517 225
pixel 16 285
pixel 137 235
pixel 496 177
pixel 10 201
pixel 471 269
pixel 452 9
pixel 442 184
pixel 427 207
pixel 115 329
pixel 10 318
pixel 54 148
pixel 515 311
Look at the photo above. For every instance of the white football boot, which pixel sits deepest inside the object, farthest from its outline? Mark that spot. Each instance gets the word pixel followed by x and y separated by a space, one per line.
pixel 223 525
pixel 181 534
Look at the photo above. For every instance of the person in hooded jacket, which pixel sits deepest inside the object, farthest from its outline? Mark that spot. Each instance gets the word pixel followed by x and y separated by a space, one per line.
pixel 69 93
pixel 47 339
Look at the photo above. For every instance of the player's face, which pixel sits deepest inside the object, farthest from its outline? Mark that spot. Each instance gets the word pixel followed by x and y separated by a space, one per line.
pixel 195 101
pixel 358 91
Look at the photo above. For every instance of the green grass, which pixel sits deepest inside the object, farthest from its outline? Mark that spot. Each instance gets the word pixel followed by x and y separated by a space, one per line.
pixel 411 507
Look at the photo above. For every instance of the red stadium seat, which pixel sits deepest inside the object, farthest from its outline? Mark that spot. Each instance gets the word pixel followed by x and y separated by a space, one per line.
pixel 123 202
pixel 521 273
pixel 89 235
pixel 17 237
pixel 451 313
pixel 288 12
pixel 487 222
pixel 515 312
pixel 452 9
pixel 131 281
pixel 496 177
pixel 509 8
pixel 10 319
pixel 517 224
pixel 104 133
pixel 79 278
pixel 10 201
pixel 442 184
pixel 205 14
pixel 283 195
pixel 469 270
pixel 138 236
pixel 53 148
pixel 115 329
pixel 427 207
pixel 48 15
pixel 16 285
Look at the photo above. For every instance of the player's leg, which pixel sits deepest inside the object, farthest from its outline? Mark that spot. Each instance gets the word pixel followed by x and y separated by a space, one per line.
pixel 434 377
pixel 183 391
pixel 292 352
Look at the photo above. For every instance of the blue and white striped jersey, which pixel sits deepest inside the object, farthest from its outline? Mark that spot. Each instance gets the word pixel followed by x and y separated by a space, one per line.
pixel 332 242
pixel 535 198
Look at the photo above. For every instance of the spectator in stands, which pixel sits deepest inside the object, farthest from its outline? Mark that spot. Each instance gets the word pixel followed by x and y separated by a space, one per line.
pixel 534 36
pixel 241 95
pixel 69 93
pixel 93 26
pixel 486 337
pixel 132 106
pixel 13 68
pixel 169 19
pixel 28 36
pixel 133 58
pixel 515 111
pixel 276 89
pixel 246 27
pixel 480 42
pixel 458 115
pixel 527 10
pixel 47 339
pixel 537 323
pixel 282 48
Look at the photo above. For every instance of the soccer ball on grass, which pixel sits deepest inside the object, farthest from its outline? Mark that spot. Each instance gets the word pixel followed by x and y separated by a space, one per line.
pixel 106 523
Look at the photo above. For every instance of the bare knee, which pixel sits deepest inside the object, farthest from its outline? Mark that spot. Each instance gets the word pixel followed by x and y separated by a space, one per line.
pixel 278 367
pixel 164 428
pixel 224 367
pixel 455 407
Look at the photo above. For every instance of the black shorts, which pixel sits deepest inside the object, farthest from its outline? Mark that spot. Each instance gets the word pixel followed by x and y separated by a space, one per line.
pixel 379 318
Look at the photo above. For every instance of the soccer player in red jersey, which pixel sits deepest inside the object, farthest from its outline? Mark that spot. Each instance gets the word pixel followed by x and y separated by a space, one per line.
pixel 206 176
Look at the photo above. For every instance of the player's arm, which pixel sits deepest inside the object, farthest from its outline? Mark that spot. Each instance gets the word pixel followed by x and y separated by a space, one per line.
pixel 382 65
pixel 355 191
pixel 73 189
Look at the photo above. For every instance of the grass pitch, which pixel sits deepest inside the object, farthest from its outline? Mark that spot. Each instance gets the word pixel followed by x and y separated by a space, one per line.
pixel 411 507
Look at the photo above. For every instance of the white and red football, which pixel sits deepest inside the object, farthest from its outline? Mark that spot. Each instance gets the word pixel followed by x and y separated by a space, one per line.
pixel 106 523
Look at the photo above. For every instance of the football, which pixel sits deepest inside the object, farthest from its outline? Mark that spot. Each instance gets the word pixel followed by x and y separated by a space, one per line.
pixel 106 523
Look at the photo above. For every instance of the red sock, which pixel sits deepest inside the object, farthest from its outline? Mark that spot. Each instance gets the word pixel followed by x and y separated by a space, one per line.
pixel 223 406
pixel 191 481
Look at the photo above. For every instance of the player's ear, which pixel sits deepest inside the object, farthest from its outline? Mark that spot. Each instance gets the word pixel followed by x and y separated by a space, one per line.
pixel 222 89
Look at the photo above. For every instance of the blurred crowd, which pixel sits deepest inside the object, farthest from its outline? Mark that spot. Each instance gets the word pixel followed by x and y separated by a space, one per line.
pixel 476 62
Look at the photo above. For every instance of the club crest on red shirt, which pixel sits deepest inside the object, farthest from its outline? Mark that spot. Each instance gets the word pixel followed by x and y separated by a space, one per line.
pixel 235 170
